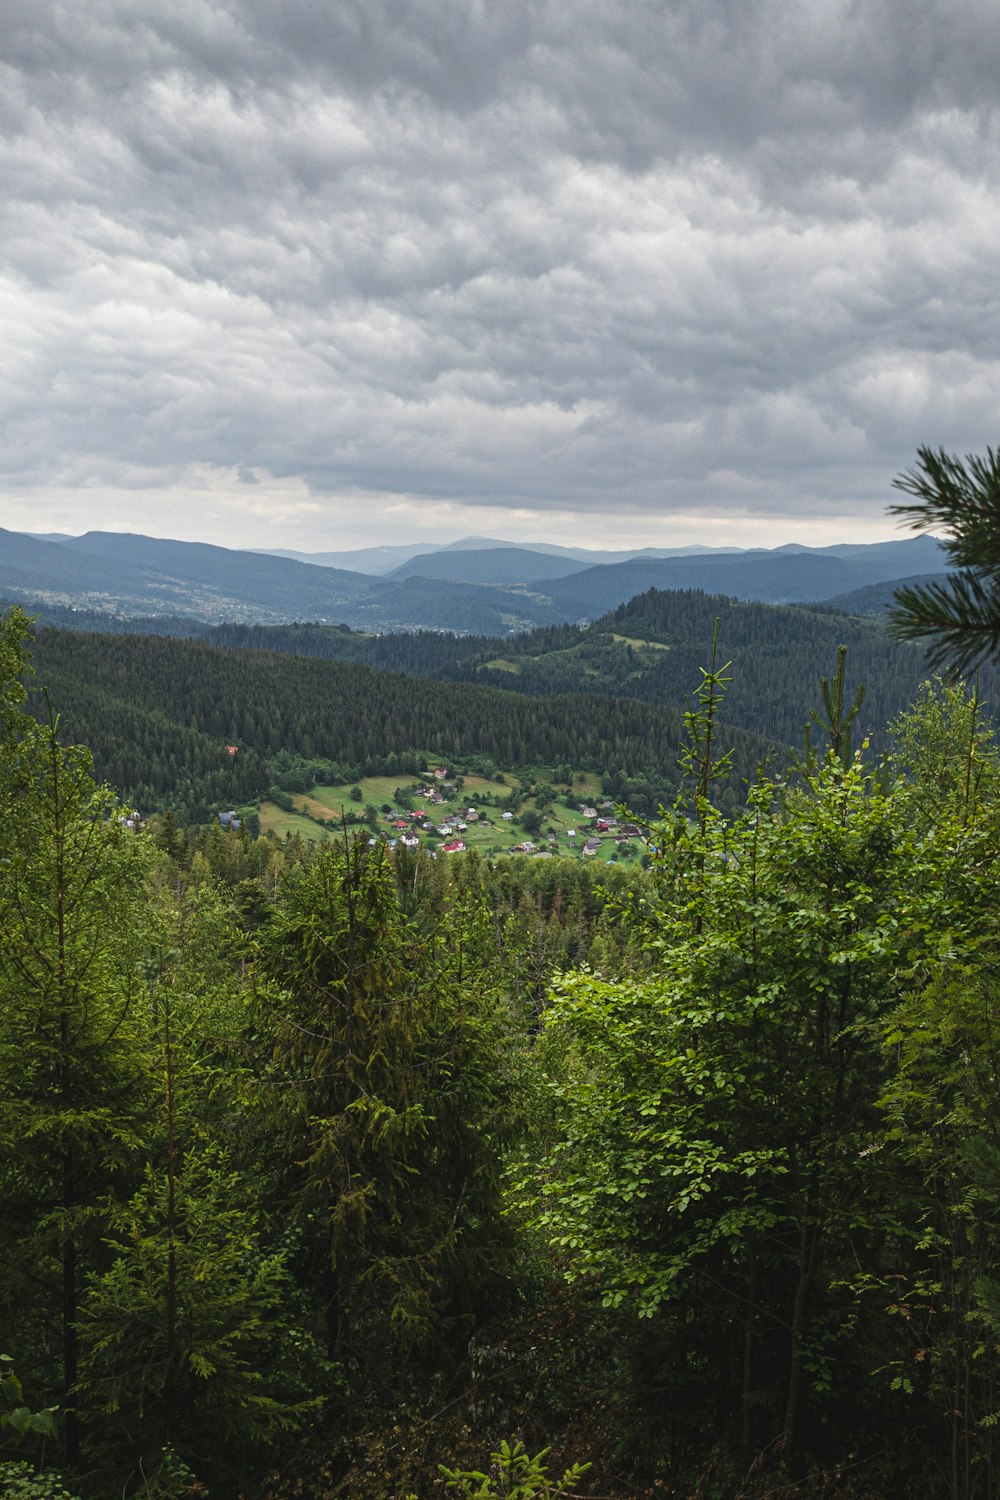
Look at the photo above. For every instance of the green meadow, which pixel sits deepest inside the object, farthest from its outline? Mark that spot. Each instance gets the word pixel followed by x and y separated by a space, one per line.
pixel 527 795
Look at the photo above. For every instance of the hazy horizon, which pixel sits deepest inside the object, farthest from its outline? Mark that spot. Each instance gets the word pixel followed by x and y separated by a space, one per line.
pixel 394 542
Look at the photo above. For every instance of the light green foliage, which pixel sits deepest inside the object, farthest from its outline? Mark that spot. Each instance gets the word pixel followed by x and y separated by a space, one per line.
pixel 712 1119
pixel 16 1418
pixel 514 1474
pixel 836 722
pixel 940 1096
pixel 14 629
pixel 700 761
pixel 734 1013
pixel 19 1481
pixel 946 757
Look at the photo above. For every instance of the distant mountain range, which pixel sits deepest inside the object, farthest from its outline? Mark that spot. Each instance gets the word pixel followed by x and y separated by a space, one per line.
pixel 380 561
pixel 477 586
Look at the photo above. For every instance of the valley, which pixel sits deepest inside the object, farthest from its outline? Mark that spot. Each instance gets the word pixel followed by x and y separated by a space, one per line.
pixel 552 812
pixel 311 707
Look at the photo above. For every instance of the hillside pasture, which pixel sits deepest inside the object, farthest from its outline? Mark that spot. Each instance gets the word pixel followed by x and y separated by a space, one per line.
pixel 276 821
pixel 637 645
pixel 332 801
pixel 491 834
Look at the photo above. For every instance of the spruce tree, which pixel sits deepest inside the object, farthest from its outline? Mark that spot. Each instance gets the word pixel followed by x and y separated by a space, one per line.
pixel 73 1092
pixel 388 1087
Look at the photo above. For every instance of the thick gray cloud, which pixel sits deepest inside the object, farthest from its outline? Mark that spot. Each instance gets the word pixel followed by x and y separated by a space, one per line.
pixel 312 271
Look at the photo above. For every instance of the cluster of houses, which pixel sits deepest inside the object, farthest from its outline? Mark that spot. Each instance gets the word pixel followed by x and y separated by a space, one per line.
pixel 405 828
pixel 406 825
pixel 604 822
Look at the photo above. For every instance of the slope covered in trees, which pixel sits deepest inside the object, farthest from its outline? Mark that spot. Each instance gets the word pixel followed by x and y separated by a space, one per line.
pixel 159 714
pixel 115 573
pixel 779 653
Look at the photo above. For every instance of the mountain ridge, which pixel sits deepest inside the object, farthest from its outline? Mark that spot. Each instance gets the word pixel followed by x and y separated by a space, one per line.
pixel 484 591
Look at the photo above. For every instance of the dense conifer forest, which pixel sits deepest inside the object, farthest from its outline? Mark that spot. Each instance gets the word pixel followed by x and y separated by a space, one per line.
pixel 778 654
pixel 158 715
pixel 330 1172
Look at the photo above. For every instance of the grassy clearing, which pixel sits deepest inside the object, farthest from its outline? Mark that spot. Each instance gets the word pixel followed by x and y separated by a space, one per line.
pixel 376 789
pixel 313 806
pixel 587 783
pixel 274 820
pixel 499 664
pixel 637 645
pixel 331 801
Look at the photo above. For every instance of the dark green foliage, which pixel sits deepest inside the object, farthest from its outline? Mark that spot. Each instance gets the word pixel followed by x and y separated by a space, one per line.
pixel 74 1094
pixel 193 1335
pixel 159 714
pixel 777 652
pixel 391 1114
pixel 958 620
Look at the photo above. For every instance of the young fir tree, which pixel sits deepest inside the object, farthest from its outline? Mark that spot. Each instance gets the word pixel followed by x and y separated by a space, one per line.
pixel 73 1095
pixel 193 1343
pixel 389 1110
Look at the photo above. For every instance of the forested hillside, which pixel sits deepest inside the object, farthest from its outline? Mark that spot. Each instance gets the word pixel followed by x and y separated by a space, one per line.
pixel 330 1172
pixel 779 653
pixel 113 573
pixel 496 590
pixel 160 714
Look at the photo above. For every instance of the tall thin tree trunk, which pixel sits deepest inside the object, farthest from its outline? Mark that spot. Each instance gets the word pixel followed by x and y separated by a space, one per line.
pixel 746 1433
pixel 808 1257
pixel 171 1311
pixel 71 1421
pixel 70 1341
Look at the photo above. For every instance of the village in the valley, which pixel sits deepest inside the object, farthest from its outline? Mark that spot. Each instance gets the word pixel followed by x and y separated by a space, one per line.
pixel 447 812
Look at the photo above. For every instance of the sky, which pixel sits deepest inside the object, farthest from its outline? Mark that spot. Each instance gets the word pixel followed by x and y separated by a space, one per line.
pixel 331 273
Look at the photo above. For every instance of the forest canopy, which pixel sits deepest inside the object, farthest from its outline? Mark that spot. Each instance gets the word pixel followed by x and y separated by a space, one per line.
pixel 323 1167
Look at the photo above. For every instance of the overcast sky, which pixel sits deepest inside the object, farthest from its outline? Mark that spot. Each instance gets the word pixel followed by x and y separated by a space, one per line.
pixel 323 273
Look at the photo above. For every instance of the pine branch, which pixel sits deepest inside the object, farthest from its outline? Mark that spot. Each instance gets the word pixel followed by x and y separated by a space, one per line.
pixel 958 622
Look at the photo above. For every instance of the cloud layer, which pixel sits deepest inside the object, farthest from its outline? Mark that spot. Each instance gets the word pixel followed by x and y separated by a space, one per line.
pixel 309 273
